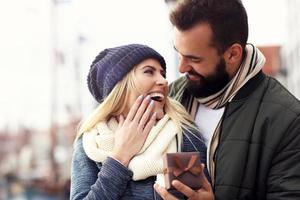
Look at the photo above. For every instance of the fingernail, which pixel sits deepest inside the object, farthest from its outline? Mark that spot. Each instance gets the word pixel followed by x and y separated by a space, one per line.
pixel 151 102
pixel 140 97
pixel 147 97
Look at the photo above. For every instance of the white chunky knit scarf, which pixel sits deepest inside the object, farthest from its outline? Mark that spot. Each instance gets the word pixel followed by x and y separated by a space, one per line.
pixel 99 142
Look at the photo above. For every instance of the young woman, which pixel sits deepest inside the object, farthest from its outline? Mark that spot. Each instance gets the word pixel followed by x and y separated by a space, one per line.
pixel 119 147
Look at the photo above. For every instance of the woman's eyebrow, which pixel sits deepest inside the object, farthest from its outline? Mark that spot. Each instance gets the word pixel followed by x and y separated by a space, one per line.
pixel 149 66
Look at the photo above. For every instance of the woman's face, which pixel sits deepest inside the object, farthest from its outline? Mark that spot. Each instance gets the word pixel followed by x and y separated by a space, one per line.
pixel 150 80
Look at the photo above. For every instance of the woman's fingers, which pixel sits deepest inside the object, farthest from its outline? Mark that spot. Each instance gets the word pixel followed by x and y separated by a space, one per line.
pixel 134 108
pixel 121 121
pixel 150 124
pixel 146 115
pixel 141 110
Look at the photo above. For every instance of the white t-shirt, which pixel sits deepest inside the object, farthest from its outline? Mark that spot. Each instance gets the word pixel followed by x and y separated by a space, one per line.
pixel 207 120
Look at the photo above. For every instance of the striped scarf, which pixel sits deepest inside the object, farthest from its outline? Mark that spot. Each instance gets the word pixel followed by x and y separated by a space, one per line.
pixel 251 65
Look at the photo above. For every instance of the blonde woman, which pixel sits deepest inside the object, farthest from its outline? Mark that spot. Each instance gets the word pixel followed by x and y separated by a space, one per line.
pixel 119 147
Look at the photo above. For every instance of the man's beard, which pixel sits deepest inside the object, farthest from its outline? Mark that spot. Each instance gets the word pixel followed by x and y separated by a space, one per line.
pixel 206 86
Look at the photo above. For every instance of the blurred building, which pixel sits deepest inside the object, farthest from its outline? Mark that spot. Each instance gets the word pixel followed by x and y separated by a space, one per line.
pixel 274 65
pixel 291 49
pixel 48 93
pixel 273 62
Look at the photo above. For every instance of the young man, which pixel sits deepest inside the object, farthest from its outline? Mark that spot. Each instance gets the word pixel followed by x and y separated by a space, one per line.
pixel 251 122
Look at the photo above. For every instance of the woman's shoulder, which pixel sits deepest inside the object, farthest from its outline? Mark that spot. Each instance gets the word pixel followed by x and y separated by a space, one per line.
pixel 78 144
pixel 78 148
pixel 80 154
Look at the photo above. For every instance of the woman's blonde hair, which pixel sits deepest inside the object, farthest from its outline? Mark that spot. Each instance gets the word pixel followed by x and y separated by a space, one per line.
pixel 115 104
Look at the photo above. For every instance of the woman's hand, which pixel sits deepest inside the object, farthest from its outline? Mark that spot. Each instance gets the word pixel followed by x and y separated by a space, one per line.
pixel 133 131
pixel 204 193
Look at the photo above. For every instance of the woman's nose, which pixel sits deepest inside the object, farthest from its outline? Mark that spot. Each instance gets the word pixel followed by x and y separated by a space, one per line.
pixel 162 80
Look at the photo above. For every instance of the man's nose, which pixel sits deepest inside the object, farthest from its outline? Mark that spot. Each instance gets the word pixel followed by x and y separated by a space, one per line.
pixel 183 66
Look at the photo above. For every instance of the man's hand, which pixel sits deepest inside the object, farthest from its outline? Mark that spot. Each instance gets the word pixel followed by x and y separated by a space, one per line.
pixel 204 193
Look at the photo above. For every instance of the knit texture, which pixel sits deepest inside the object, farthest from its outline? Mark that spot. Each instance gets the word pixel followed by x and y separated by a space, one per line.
pixel 112 64
pixel 99 142
pixel 91 180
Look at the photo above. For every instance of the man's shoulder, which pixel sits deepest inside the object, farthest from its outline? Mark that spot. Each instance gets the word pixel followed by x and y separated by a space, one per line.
pixel 179 83
pixel 276 93
pixel 177 87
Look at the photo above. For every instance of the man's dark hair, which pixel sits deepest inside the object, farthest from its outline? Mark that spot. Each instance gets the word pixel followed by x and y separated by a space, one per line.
pixel 227 19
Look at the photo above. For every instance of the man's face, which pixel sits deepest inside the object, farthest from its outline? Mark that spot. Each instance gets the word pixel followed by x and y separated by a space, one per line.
pixel 205 69
pixel 211 84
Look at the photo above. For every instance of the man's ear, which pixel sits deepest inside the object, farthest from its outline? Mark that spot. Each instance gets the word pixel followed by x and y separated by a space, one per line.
pixel 233 55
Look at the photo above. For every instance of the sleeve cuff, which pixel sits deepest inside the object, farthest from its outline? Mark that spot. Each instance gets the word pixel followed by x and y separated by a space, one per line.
pixel 115 168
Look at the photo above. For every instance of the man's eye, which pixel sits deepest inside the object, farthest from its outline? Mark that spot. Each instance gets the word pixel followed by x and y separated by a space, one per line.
pixel 195 60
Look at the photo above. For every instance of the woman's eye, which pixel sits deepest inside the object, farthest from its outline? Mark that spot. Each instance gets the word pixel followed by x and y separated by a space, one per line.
pixel 149 72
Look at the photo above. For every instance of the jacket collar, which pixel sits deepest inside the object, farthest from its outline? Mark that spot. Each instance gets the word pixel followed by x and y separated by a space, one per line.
pixel 239 99
pixel 250 86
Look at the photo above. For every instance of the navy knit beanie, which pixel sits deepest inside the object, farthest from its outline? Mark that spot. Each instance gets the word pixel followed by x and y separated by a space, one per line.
pixel 112 64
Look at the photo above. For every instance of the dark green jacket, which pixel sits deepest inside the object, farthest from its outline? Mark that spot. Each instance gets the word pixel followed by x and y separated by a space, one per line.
pixel 258 156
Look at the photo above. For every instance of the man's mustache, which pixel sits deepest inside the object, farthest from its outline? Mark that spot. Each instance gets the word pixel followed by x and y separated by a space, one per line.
pixel 194 73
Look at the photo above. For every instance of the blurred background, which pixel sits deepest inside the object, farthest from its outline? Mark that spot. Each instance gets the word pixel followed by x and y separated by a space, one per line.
pixel 46 48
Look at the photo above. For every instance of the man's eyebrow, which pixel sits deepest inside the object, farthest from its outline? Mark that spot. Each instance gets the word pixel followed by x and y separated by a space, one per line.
pixel 187 56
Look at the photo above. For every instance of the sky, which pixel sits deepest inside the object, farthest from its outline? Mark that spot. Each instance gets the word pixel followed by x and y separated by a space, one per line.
pixel 267 21
pixel 23 59
pixel 27 43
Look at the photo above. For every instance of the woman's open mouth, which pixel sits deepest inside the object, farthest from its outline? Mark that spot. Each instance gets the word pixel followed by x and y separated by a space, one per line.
pixel 157 96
